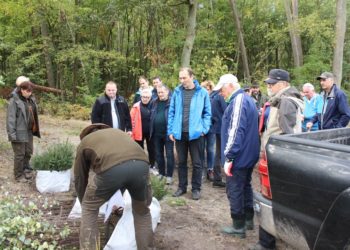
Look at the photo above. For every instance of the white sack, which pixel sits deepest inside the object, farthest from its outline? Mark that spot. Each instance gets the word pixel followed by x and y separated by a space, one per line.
pixel 123 236
pixel 53 181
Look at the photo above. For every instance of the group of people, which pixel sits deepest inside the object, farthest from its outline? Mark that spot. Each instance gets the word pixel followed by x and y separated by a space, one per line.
pixel 231 124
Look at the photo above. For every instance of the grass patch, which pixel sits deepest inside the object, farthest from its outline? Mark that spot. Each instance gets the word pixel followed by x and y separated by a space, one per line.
pixel 176 201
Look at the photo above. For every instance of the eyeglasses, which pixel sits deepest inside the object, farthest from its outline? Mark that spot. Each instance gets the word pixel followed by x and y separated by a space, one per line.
pixel 146 97
pixel 323 79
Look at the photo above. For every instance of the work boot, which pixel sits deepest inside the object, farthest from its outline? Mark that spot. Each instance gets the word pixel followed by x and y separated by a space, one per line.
pixel 237 229
pixel 196 194
pixel 219 184
pixel 249 218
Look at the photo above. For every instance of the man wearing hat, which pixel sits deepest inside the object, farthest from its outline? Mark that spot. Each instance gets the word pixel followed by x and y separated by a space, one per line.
pixel 101 169
pixel 239 151
pixel 259 97
pixel 335 110
pixel 286 105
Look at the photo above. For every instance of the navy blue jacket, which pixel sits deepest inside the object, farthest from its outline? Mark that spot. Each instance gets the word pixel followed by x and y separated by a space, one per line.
pixel 102 112
pixel 218 106
pixel 239 132
pixel 337 111
pixel 154 106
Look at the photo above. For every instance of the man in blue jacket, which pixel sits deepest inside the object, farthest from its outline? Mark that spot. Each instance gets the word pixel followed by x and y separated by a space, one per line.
pixel 188 121
pixel 240 149
pixel 335 110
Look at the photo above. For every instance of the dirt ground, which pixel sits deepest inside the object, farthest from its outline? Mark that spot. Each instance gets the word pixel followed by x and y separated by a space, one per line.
pixel 195 225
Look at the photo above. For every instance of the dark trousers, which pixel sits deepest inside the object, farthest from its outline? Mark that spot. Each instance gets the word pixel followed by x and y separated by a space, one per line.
pixel 239 191
pixel 217 162
pixel 196 148
pixel 22 153
pixel 132 175
pixel 265 239
pixel 150 148
pixel 161 142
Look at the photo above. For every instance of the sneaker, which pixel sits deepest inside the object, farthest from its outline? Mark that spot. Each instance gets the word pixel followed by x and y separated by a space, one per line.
pixel 196 194
pixel 210 175
pixel 154 171
pixel 169 180
pixel 219 184
pixel 160 177
pixel 179 192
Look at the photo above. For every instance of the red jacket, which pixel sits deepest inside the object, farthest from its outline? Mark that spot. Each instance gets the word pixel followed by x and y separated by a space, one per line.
pixel 136 122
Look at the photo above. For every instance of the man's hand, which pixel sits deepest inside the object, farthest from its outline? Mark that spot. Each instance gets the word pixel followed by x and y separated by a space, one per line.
pixel 309 125
pixel 228 167
pixel 171 137
pixel 129 133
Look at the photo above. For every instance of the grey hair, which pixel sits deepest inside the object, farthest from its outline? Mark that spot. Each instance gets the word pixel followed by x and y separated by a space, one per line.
pixel 309 86
pixel 146 91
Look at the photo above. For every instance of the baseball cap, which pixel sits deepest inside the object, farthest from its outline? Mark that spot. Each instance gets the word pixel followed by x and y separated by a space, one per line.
pixel 91 128
pixel 276 75
pixel 227 78
pixel 325 75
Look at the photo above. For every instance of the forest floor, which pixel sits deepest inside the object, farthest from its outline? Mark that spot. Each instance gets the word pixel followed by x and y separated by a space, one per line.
pixel 192 225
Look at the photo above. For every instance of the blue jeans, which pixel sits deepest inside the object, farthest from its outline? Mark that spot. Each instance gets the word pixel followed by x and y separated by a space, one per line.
pixel 239 191
pixel 197 153
pixel 161 142
pixel 210 139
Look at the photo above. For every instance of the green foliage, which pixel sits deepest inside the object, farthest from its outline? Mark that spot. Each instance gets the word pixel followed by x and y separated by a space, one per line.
pixel 176 201
pixel 3 103
pixel 23 227
pixel 159 187
pixel 52 105
pixel 57 157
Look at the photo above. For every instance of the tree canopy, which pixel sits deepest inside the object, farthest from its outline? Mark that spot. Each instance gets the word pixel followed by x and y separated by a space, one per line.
pixel 79 45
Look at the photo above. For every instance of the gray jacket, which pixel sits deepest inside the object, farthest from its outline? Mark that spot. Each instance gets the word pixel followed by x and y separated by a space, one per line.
pixel 17 120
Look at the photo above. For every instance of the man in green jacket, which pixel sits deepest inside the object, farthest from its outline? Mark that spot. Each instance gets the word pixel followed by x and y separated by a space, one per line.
pixel 100 169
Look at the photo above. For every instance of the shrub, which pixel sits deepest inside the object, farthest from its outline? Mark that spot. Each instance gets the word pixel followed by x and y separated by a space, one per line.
pixel 22 226
pixel 159 187
pixel 58 157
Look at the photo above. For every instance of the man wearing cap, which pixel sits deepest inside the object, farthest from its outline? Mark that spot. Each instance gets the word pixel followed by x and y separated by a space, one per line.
pixel 335 110
pixel 239 152
pixel 286 106
pixel 259 97
pixel 112 109
pixel 188 121
pixel 100 169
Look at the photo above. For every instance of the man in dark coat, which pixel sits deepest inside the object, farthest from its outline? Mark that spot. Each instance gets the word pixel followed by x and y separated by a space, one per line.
pixel 112 109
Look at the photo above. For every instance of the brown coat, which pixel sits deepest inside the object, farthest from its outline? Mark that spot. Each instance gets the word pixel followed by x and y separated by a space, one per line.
pixel 101 150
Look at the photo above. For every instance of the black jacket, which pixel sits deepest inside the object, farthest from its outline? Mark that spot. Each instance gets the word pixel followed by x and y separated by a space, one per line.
pixel 102 112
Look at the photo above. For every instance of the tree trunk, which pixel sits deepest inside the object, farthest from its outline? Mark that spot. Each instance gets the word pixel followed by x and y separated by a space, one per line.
pixel 47 47
pixel 339 41
pixel 191 33
pixel 292 18
pixel 240 39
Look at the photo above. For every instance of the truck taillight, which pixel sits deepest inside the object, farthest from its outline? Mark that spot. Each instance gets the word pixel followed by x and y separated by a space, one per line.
pixel 264 178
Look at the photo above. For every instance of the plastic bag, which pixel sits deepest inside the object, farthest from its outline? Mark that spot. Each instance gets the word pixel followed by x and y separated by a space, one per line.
pixel 53 181
pixel 123 236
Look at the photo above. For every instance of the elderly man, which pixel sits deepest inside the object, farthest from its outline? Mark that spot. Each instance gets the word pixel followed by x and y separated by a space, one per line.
pixel 312 105
pixel 100 169
pixel 335 111
pixel 112 109
pixel 188 121
pixel 240 150
pixel 285 116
